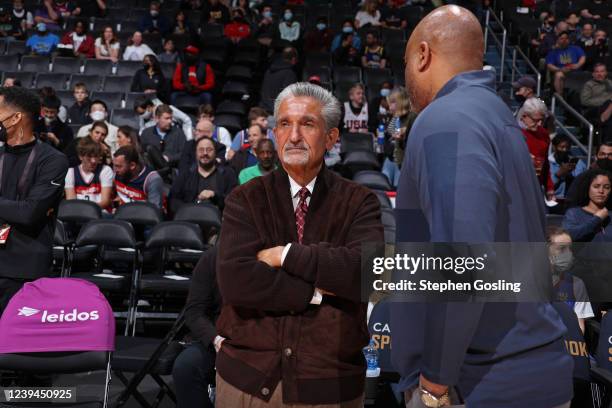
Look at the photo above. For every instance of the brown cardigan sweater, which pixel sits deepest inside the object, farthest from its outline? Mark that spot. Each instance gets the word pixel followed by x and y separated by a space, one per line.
pixel 272 331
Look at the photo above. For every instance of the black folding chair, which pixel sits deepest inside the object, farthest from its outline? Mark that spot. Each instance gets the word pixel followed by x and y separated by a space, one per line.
pixel 206 216
pixel 62 248
pixel 373 179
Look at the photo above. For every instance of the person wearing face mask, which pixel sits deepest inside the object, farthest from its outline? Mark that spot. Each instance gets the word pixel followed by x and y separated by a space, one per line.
pixel 348 28
pixel 266 29
pixel 145 107
pixel 215 12
pixel 42 42
pixel 589 221
pixel 54 131
pixel 31 186
pixel 21 15
pixel 563 168
pixel 289 29
pixel 319 40
pixel 78 43
pixel 238 29
pixel 524 88
pixel 193 77
pixel 150 78
pixel 99 112
pixel 154 22
pixel 568 288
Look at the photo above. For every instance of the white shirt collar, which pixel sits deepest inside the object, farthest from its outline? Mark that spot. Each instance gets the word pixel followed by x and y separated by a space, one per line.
pixel 295 187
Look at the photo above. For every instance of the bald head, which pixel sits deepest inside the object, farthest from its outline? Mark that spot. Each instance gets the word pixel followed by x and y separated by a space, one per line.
pixel 204 128
pixel 448 41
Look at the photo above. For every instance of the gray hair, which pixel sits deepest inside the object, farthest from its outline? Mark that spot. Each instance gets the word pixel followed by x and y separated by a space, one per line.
pixel 533 106
pixel 331 110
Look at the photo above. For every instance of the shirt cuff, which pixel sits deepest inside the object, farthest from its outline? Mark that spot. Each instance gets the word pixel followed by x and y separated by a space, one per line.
pixel 317 297
pixel 285 252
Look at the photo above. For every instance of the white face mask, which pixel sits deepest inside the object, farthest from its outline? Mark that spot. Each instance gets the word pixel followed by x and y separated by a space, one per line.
pixel 48 120
pixel 97 115
pixel 146 115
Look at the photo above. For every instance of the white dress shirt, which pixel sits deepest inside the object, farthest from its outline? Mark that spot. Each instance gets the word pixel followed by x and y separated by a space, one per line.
pixel 295 198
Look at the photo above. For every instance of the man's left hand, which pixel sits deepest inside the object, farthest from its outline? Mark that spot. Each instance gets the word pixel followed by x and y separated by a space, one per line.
pixel 437 390
pixel 271 256
pixel 54 139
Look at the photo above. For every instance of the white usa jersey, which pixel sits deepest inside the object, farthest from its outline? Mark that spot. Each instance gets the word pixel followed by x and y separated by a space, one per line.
pixel 356 123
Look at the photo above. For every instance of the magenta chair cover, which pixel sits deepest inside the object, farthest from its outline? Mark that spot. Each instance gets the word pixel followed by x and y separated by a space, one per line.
pixel 57 314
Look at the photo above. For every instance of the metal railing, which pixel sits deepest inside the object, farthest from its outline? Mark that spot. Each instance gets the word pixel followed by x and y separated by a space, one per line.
pixel 501 44
pixel 587 149
pixel 538 75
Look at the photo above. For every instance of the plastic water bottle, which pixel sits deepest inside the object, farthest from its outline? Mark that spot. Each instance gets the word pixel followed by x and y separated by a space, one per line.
pixel 371 355
pixel 380 138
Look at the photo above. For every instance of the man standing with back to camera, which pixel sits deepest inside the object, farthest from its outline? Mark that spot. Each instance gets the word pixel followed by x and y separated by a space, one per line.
pixel 467 177
pixel 31 186
pixel 289 268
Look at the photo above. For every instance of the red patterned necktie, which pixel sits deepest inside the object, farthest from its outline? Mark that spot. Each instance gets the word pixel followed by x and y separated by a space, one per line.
pixel 300 212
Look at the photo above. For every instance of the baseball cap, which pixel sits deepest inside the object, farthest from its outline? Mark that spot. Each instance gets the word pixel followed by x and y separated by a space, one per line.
pixel 525 81
pixel 315 79
pixel 41 27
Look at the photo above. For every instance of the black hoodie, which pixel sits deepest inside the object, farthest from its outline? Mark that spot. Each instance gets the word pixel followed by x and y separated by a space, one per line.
pixel 277 77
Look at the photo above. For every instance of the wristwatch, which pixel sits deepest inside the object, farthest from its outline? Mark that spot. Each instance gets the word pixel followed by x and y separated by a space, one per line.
pixel 431 401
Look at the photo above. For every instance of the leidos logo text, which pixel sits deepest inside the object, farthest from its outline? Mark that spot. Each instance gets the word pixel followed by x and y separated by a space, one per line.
pixel 72 316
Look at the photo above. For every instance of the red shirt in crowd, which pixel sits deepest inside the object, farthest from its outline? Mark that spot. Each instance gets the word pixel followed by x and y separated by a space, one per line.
pixel 237 31
pixel 177 81
pixel 538 142
pixel 87 46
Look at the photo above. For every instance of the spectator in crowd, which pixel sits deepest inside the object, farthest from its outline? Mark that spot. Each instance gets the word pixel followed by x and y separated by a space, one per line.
pixel 169 54
pixel 549 40
pixel 319 40
pixel 598 52
pixel 348 28
pixel 238 29
pixel 289 28
pixel 150 78
pixel 280 74
pixel 596 94
pixel 128 136
pixel 346 54
pixel 90 8
pixel 369 14
pixel 154 22
pixel 603 161
pixel 219 133
pixel 573 29
pixel 563 59
pixel 396 133
pixel 243 358
pixel 9 27
pixel 193 77
pixel 356 113
pixel 266 162
pixel 65 9
pixel 586 39
pixel 563 168
pixel 134 181
pixel 99 112
pixel 49 91
pixel 246 9
pixel 246 157
pixel 28 207
pixel 181 26
pixel 42 42
pixel 393 15
pixel 256 116
pixel 11 81
pixel 98 132
pixel 590 221
pixel 163 137
pixel 266 27
pixel 568 288
pixel 531 117
pixel 92 180
pixel 209 182
pixel 206 111
pixel 136 49
pixel 215 12
pixel 78 113
pixel 379 106
pixel 192 5
pixel 194 368
pixel 107 45
pixel 374 53
pixel 204 128
pixel 54 131
pixel 145 108
pixel 524 88
pixel 594 10
pixel 78 43
pixel 21 15
pixel 49 14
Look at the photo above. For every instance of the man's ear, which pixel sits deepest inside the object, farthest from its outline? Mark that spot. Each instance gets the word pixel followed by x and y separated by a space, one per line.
pixel 332 138
pixel 423 56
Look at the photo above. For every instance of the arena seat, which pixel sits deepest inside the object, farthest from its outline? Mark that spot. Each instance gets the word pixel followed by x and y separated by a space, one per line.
pixel 125 116
pixel 111 99
pixel 9 63
pixel 206 216
pixel 32 63
pixel 98 67
pixel 66 65
pixel 92 82
pixel 117 83
pixel 373 179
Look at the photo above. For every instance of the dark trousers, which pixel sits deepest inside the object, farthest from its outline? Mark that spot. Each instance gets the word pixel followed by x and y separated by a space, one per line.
pixel 193 371
pixel 8 288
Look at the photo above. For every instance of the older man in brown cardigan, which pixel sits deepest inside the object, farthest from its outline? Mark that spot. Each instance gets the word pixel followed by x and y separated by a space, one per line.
pixel 292 326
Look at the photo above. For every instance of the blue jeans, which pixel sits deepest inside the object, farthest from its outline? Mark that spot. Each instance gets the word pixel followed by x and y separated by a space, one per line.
pixel 193 371
pixel 392 171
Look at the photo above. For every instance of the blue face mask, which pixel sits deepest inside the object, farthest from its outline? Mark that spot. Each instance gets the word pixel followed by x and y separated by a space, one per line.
pixel 384 92
pixel 347 30
pixel 267 14
pixel 321 26
pixel 288 16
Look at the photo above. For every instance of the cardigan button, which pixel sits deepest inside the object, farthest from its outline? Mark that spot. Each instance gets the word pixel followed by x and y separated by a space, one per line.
pixel 265 391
